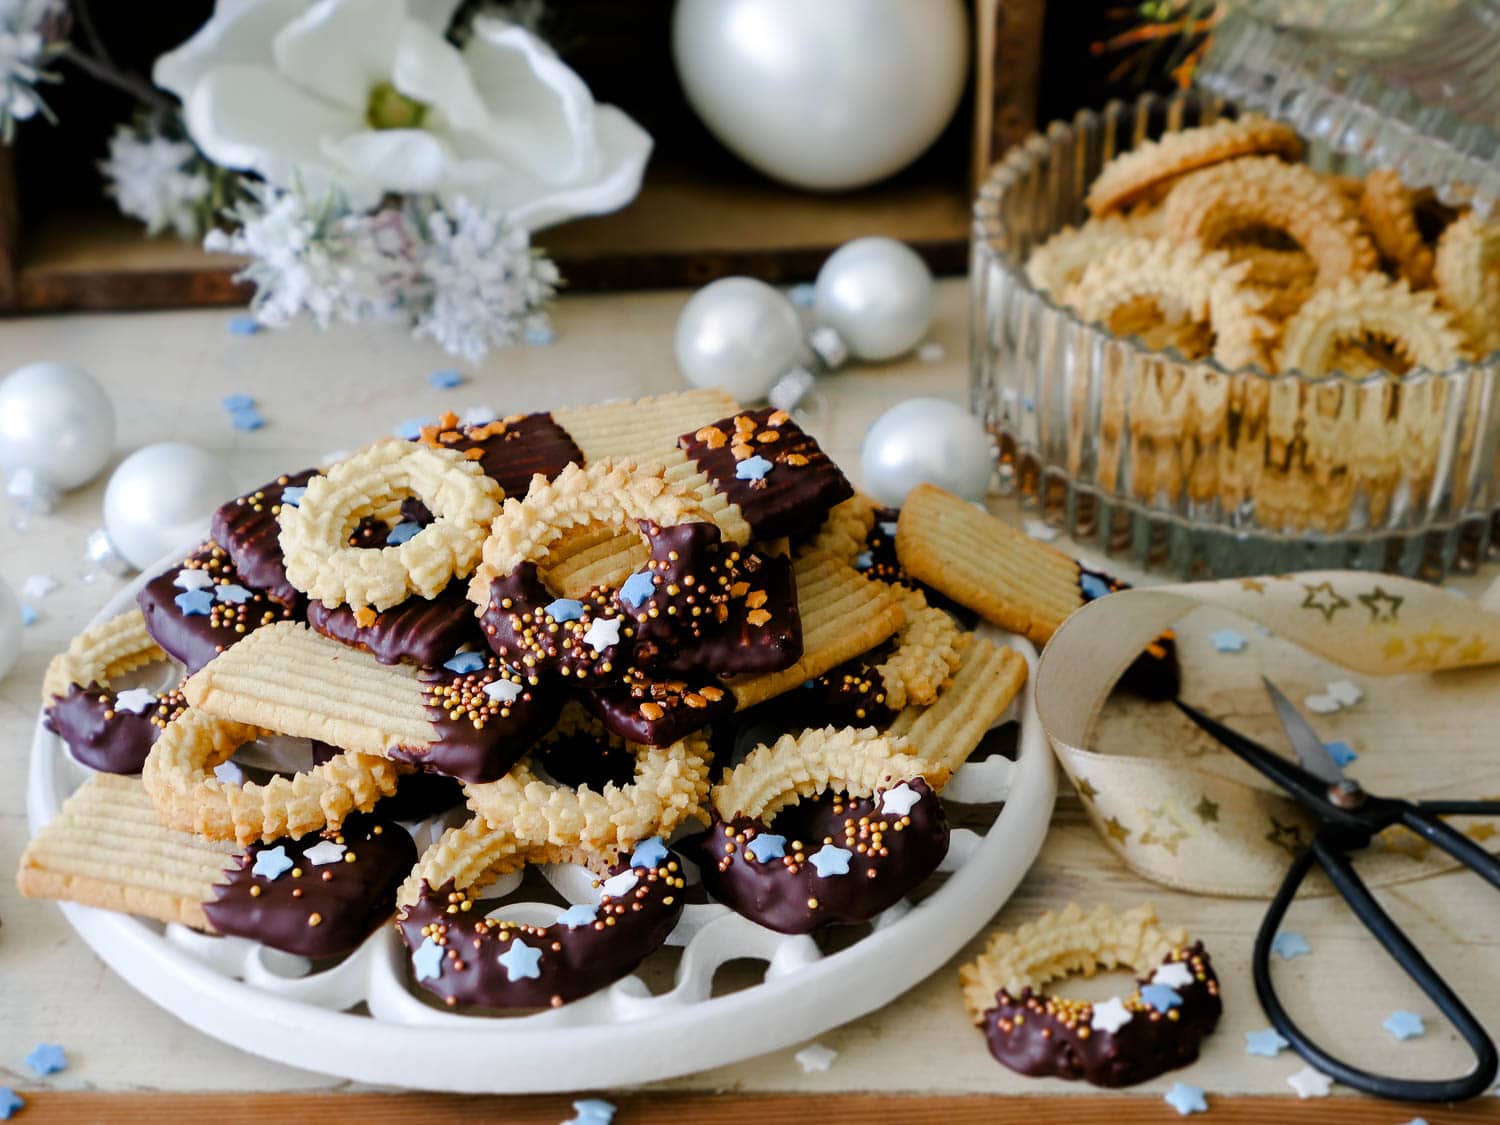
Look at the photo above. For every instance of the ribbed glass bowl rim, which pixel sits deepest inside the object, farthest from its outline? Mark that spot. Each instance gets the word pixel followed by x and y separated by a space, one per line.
pixel 987 218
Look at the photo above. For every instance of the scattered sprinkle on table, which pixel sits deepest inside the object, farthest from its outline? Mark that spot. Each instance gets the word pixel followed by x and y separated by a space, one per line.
pixel 931 352
pixel 28 616
pixel 1347 693
pixel 1228 640
pixel 10 1101
pixel 591 1111
pixel 245 325
pixel 1186 1099
pixel 1268 1043
pixel 47 1058
pixel 1404 1025
pixel 1289 945
pixel 1322 704
pixel 38 586
pixel 1310 1083
pixel 446 379
pixel 1341 753
pixel 243 414
pixel 411 429
pixel 540 335
pixel 235 402
pixel 815 1058
pixel 1040 530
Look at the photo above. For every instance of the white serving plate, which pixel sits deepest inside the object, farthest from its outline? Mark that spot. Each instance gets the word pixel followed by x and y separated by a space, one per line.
pixel 269 1004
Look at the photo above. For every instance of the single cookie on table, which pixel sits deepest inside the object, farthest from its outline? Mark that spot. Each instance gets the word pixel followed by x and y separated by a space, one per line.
pixel 1119 1042
pixel 1011 579
pixel 510 450
pixel 203 606
pixel 249 530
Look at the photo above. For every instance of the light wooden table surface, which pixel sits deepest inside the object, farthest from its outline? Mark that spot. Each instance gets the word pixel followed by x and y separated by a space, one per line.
pixel 322 391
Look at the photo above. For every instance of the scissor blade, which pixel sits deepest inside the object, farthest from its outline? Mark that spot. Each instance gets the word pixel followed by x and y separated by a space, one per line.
pixel 1311 753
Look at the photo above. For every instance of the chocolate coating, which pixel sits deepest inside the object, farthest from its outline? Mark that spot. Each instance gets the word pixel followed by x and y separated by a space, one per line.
pixel 576 760
pixel 418 794
pixel 1056 1040
pixel 1155 674
pixel 521 631
pixel 655 712
pixel 195 639
pixel 249 531
pixel 790 896
pixel 105 738
pixel 880 546
pixel 330 908
pixel 423 631
pixel 510 450
pixel 575 960
pixel 798 491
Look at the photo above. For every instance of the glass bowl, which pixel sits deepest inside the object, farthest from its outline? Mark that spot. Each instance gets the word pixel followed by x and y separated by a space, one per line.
pixel 1182 465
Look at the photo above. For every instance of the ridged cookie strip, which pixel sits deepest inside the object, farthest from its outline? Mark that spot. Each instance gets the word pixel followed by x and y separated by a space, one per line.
pixel 948 731
pixel 644 429
pixel 465 855
pixel 843 614
pixel 1066 943
pixel 1467 272
pixel 833 759
pixel 315 533
pixel 1132 174
pixel 285 677
pixel 106 848
pixel 1002 574
pixel 101 653
pixel 927 653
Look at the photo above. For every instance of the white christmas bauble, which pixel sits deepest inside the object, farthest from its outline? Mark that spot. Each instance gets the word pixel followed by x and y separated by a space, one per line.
pixel 823 94
pixel 926 441
pixel 56 422
pixel 878 295
pixel 158 496
pixel 10 629
pixel 740 335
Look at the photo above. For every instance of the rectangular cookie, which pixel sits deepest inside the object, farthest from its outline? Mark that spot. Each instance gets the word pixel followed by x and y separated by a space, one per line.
pixel 644 429
pixel 947 732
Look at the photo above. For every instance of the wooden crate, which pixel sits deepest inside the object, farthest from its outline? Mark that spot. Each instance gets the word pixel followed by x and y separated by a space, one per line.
pixel 701 213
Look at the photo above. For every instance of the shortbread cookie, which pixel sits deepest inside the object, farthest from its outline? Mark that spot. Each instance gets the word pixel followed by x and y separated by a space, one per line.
pixel 947 732
pixel 1117 1042
pixel 315 533
pixel 510 450
pixel 249 530
pixel 107 848
pixel 640 429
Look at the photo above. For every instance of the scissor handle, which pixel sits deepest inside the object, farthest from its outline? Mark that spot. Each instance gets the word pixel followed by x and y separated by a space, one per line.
pixel 1422 818
pixel 1335 863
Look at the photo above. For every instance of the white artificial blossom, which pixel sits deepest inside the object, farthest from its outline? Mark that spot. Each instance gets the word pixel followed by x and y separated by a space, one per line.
pixel 157 180
pixel 23 55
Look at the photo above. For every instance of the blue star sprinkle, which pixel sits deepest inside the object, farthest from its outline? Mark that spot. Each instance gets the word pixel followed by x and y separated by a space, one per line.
pixel 28 616
pixel 649 853
pixel 564 609
pixel 830 860
pixel 1092 586
pixel 1341 753
pixel 1227 640
pixel 411 429
pixel 575 916
pixel 1289 944
pixel 47 1058
pixel 521 961
pixel 247 420
pixel 753 468
pixel 540 335
pixel 637 589
pixel 271 864
pixel 293 496
pixel 591 1111
pixel 231 593
pixel 863 561
pixel 464 663
pixel 446 379
pixel 1160 997
pixel 1267 1043
pixel 233 403
pixel 804 296
pixel 402 532
pixel 245 326
pixel 767 846
pixel 195 603
pixel 1186 1099
pixel 1405 1025
pixel 10 1101
pixel 427 961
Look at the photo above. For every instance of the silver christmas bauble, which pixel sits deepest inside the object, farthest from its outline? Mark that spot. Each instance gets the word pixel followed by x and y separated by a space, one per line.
pixel 740 335
pixel 926 441
pixel 56 424
pixel 10 629
pixel 823 94
pixel 878 295
pixel 159 497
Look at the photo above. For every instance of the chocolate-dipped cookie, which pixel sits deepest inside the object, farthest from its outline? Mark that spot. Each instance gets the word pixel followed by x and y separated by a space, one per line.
pixel 248 530
pixel 422 631
pixel 1155 673
pixel 108 731
pixel 419 794
pixel 656 712
pixel 510 450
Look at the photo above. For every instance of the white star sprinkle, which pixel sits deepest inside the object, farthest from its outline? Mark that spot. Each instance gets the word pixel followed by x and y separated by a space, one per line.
pixel 815 1058
pixel 603 633
pixel 193 579
pixel 323 852
pixel 136 700
pixel 1110 1016
pixel 1310 1083
pixel 503 691
pixel 899 800
pixel 1174 974
pixel 1345 692
pixel 621 884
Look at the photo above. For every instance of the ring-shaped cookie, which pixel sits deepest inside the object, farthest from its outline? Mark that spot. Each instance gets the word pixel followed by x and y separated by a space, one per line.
pixel 1467 272
pixel 1117 1042
pixel 179 776
pixel 668 787
pixel 107 730
pixel 498 962
pixel 873 830
pixel 1388 208
pixel 315 533
pixel 1370 305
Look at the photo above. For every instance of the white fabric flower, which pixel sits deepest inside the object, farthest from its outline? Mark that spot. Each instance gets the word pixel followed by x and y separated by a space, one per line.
pixel 367 97
pixel 154 179
pixel 22 49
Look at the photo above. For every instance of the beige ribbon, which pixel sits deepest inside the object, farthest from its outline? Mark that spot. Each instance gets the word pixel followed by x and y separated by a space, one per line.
pixel 1203 822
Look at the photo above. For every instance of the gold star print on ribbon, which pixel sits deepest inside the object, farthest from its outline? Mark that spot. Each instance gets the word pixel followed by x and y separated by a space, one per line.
pixel 1199 822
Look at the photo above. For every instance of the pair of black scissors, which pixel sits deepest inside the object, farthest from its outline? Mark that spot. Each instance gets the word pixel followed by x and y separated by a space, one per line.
pixel 1348 819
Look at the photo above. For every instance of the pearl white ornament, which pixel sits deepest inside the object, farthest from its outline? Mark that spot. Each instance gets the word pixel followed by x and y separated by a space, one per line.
pixel 823 94
pixel 878 295
pixel 926 441
pixel 10 629
pixel 159 497
pixel 57 428
pixel 740 335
